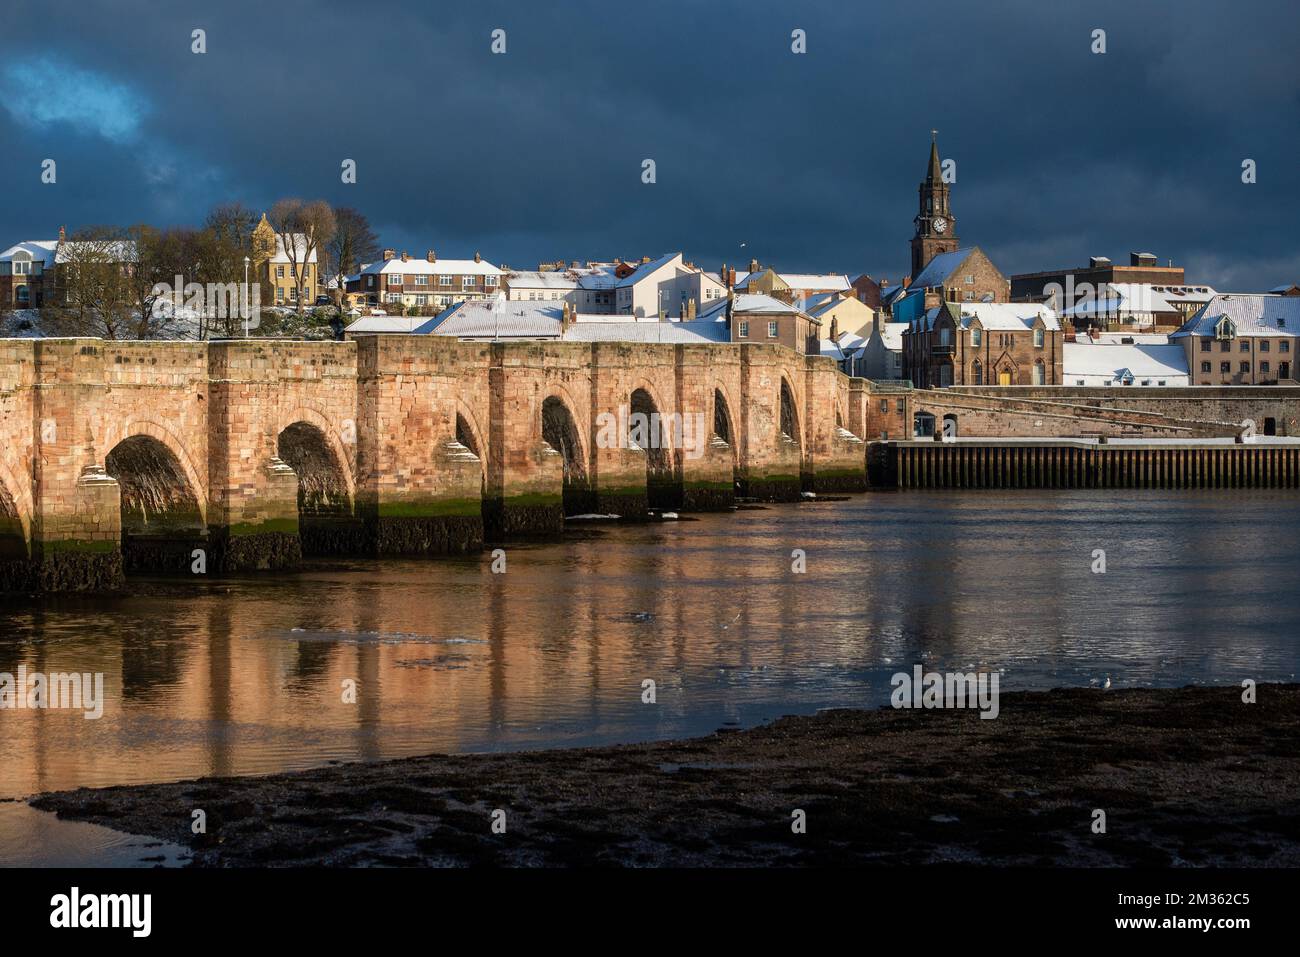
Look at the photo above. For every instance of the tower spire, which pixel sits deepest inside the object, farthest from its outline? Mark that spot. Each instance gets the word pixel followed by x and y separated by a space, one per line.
pixel 935 174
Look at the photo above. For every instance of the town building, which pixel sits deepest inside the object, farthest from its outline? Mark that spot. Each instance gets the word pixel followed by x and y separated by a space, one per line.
pixel 957 343
pixel 22 273
pixel 935 225
pixel 1141 268
pixel 427 284
pixel 1125 361
pixel 1242 340
pixel 1134 307
pixel 963 275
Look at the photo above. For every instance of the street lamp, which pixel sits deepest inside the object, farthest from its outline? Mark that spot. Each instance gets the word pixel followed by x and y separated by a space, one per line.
pixel 246 262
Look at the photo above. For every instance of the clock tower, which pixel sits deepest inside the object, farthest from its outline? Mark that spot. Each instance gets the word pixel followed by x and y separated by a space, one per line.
pixel 935 230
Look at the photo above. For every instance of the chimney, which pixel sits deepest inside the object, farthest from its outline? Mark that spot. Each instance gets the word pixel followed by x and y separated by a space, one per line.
pixel 63 235
pixel 431 256
pixel 566 318
pixel 753 265
pixel 405 258
pixel 644 260
pixel 731 308
pixel 835 329
pixel 690 310
pixel 477 257
pixel 388 254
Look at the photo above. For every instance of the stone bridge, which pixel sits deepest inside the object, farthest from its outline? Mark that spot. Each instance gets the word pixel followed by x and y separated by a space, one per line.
pixel 239 455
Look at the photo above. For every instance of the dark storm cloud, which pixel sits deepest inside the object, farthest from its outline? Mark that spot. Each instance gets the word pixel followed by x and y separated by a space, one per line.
pixel 810 160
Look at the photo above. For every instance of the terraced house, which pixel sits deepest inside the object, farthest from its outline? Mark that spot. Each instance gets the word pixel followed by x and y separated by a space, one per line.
pixel 428 283
pixel 1242 340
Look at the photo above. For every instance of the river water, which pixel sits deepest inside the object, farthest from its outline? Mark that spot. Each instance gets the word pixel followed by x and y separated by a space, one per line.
pixel 246 676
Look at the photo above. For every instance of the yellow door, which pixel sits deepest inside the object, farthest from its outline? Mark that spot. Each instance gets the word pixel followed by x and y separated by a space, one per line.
pixel 1004 378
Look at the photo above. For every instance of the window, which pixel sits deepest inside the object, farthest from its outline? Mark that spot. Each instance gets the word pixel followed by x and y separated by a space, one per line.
pixel 976 336
pixel 1205 345
pixel 1245 366
pixel 279 272
pixel 945 336
pixel 1225 367
pixel 1245 345
pixel 444 281
pixel 771 330
pixel 422 280
pixel 970 296
pixel 744 329
pixel 421 300
pixel 1039 376
pixel 1225 346
pixel 1284 346
pixel 970 279
pixel 1263 345
pixel 1038 338
pixel 884 406
pixel 977 373
pixel 466 282
pixel 22 267
pixel 490 282
pixel 394 279
pixel 1205 367
pixel 1078 382
pixel 1263 367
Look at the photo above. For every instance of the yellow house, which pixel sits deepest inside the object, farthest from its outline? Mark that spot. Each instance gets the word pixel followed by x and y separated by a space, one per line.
pixel 272 263
pixel 843 313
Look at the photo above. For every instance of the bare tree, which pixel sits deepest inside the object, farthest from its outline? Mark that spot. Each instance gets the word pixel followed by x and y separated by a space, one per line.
pixel 95 293
pixel 305 230
pixel 354 243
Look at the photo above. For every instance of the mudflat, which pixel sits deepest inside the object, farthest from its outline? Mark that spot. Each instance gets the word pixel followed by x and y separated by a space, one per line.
pixel 1186 777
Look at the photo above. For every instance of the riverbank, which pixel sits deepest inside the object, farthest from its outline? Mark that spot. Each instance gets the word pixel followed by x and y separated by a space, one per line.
pixel 1187 776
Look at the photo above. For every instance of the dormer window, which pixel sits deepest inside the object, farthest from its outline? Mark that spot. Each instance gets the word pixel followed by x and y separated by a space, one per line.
pixel 976 336
pixel 1225 328
pixel 1038 338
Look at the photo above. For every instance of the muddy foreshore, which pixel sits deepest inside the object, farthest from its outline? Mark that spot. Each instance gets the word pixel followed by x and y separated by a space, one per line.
pixel 1191 776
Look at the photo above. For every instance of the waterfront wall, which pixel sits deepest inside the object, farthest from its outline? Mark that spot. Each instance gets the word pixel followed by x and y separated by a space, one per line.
pixel 244 455
pixel 1084 465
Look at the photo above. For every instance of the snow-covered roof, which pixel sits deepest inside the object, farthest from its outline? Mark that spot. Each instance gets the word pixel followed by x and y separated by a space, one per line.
pixel 533 279
pixel 1129 298
pixel 940 268
pixel 386 324
pixel 999 316
pixel 422 267
pixel 645 269
pixel 667 331
pixel 1112 361
pixel 36 249
pixel 496 319
pixel 117 250
pixel 832 282
pixel 892 333
pixel 299 245
pixel 1253 315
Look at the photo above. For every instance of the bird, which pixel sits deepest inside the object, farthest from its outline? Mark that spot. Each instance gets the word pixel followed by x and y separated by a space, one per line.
pixel 1106 685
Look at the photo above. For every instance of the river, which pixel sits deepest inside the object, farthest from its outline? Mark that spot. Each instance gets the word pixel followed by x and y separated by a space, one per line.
pixel 247 676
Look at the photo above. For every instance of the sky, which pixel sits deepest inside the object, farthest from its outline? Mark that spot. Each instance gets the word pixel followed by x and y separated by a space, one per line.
pixel 806 161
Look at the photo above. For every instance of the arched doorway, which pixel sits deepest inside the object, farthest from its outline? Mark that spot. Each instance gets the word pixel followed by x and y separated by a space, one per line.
pixel 950 426
pixel 326 524
pixel 560 432
pixel 649 432
pixel 162 523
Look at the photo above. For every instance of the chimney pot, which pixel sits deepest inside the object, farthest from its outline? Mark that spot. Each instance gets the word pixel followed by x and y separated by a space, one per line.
pixel 477 257
pixel 430 256
pixel 405 258
pixel 388 254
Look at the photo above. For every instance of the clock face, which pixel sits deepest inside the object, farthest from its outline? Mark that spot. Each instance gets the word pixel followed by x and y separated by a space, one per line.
pixel 940 224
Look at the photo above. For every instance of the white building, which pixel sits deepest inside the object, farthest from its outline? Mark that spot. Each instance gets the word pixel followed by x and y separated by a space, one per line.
pixel 1114 360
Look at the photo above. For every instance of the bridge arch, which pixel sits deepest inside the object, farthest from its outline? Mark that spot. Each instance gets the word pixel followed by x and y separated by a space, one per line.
pixel 561 431
pixel 330 433
pixel 326 516
pixel 653 434
pixel 789 420
pixel 163 510
pixel 15 517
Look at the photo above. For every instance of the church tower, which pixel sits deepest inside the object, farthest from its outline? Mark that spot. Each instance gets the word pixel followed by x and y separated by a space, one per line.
pixel 935 230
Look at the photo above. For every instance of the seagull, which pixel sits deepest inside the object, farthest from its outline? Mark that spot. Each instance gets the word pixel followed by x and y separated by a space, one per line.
pixel 1106 685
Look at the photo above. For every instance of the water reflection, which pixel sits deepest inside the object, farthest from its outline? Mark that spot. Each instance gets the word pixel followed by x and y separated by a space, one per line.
pixel 221 677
